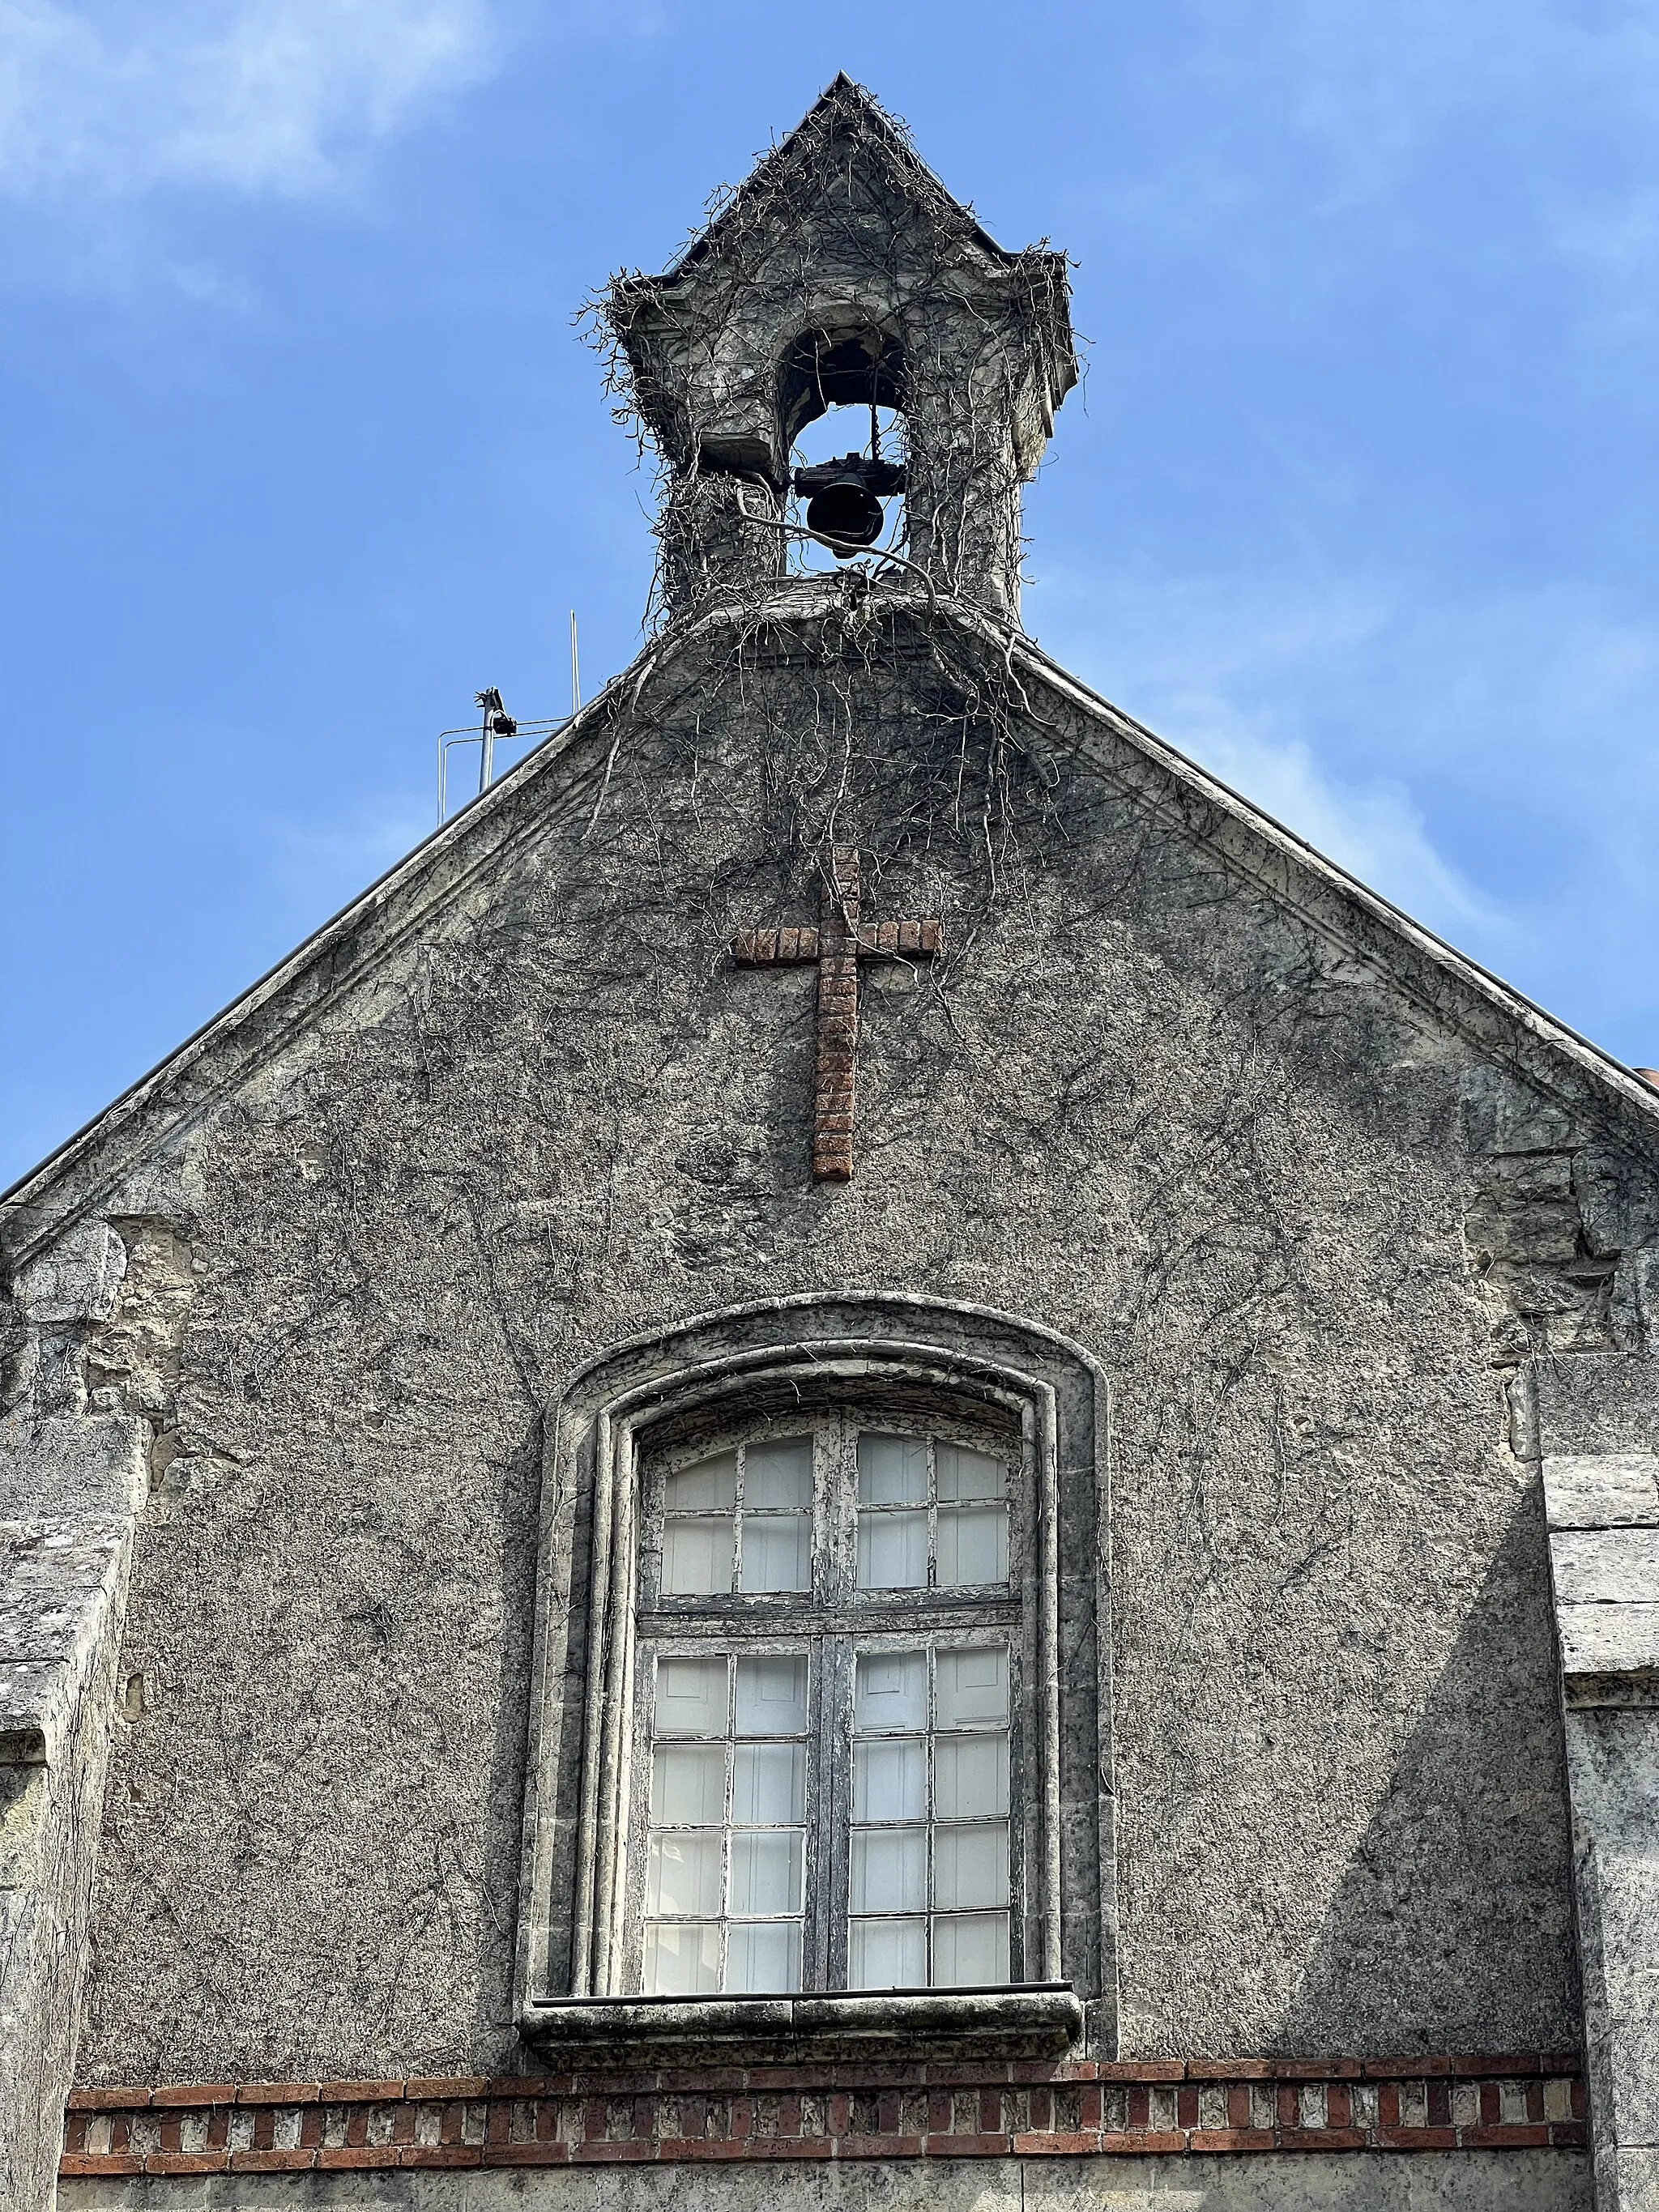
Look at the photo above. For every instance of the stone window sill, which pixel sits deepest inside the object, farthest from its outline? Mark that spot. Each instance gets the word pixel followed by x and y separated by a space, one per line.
pixel 1035 2020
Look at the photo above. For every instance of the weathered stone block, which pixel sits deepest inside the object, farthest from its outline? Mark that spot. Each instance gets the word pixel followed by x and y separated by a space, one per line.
pixel 1605 1640
pixel 62 1589
pixel 77 1279
pixel 1603 1491
pixel 1598 1403
pixel 90 1463
pixel 1604 1552
pixel 1606 1567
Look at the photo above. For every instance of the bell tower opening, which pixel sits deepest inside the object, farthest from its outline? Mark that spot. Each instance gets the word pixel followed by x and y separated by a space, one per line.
pixel 841 397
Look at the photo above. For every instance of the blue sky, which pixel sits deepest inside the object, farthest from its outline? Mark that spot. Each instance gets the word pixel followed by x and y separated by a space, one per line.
pixel 300 447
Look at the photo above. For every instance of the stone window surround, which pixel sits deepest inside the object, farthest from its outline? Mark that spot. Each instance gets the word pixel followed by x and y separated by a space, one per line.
pixel 594 1436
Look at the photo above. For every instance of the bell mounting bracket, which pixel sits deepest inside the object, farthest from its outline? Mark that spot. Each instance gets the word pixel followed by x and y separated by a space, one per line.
pixel 884 478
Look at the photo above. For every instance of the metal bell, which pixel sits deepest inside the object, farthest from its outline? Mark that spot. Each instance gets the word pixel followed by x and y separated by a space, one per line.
pixel 845 497
pixel 848 509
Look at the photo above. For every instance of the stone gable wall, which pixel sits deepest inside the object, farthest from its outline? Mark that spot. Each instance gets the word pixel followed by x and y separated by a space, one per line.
pixel 1135 1100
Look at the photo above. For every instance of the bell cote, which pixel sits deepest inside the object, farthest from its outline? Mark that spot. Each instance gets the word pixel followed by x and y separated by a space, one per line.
pixel 841 274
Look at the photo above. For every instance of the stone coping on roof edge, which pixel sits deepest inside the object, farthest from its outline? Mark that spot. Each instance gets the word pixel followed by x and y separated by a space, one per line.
pixel 994 2109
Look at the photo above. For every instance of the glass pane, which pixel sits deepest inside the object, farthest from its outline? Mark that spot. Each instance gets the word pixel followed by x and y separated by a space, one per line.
pixel 971 1777
pixel 691 1697
pixel 892 1471
pixel 697 1557
pixel 890 1869
pixel 764 1957
pixel 970 1866
pixel 777 1552
pixel 682 1962
pixel 687 1786
pixel 766 1871
pixel 973 1545
pixel 886 1954
pixel 889 1781
pixel 892 1551
pixel 771 1696
pixel 682 1874
pixel 973 1687
pixel 769 1785
pixel 891 1691
pixel 970 1950
pixel 710 1486
pixel 959 1474
pixel 778 1474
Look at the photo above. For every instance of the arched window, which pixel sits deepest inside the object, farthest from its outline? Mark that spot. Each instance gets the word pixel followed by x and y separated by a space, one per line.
pixel 817 1722
pixel 831 1663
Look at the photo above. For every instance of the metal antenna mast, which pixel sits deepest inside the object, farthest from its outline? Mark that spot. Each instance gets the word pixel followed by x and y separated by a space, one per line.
pixel 497 723
pixel 575 667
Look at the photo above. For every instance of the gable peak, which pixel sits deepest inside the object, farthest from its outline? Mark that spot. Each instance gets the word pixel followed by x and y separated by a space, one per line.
pixel 844 119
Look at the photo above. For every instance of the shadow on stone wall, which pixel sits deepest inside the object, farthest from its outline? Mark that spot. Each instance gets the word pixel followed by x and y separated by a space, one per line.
pixel 1498 1970
pixel 493 2026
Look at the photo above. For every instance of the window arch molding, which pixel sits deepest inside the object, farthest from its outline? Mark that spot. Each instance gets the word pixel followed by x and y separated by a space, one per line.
pixel 582 1790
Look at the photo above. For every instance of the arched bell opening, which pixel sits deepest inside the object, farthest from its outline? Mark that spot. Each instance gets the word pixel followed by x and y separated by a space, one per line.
pixel 842 392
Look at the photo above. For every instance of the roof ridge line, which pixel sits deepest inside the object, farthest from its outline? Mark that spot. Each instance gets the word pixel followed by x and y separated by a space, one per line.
pixel 1505 995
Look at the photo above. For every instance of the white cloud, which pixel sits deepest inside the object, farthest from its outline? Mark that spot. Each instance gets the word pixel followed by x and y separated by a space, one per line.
pixel 102 103
pixel 1556 97
pixel 1540 110
pixel 1229 670
pixel 1374 83
pixel 1485 765
pixel 1372 828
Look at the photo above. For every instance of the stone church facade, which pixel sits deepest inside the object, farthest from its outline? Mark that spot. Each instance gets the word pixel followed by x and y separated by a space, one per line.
pixel 865 1453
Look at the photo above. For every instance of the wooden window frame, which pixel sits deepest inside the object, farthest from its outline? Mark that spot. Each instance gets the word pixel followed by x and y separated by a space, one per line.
pixel 832 1623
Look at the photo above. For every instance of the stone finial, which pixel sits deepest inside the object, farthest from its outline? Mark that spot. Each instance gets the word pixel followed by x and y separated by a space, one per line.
pixel 843 271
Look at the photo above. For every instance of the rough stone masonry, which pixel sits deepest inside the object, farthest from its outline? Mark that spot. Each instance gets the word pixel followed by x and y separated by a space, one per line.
pixel 1302 1275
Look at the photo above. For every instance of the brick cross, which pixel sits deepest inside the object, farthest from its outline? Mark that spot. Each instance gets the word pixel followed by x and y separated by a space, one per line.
pixel 841 940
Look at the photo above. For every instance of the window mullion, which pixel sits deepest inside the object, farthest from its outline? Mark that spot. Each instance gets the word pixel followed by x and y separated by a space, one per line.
pixel 728 1808
pixel 933 1762
pixel 736 1521
pixel 932 1525
pixel 840 1528
pixel 835 1804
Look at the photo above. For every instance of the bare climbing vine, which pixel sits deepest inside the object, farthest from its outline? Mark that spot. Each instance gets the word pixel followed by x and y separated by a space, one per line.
pixel 1136 1096
pixel 841 259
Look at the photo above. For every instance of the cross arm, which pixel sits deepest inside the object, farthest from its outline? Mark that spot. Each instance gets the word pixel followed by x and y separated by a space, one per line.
pixel 900 940
pixel 769 948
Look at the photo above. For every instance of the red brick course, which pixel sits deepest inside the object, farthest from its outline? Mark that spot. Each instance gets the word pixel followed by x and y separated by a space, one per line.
pixel 1023 2109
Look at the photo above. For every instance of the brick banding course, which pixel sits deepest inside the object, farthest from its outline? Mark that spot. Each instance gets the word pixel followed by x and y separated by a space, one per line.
pixel 1069 2108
